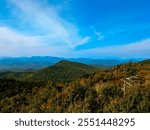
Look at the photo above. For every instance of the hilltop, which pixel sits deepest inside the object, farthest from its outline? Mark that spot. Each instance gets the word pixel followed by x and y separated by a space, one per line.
pixel 63 71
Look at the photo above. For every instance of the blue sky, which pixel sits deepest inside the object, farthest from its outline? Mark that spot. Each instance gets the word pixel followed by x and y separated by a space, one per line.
pixel 75 28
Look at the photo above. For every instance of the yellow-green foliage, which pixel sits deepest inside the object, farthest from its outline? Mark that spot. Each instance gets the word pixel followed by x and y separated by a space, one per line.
pixel 102 91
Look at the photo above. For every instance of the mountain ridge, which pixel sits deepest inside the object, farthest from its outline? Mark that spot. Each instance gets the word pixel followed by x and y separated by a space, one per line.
pixel 63 71
pixel 39 62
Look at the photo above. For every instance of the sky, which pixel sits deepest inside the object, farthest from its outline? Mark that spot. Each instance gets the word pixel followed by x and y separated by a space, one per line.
pixel 75 28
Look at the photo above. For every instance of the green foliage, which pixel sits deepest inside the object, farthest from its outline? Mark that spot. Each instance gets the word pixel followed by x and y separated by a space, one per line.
pixel 63 71
pixel 78 94
pixel 111 91
pixel 131 70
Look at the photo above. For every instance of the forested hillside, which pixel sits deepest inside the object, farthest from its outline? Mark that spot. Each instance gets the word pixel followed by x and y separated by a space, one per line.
pixel 63 71
pixel 75 87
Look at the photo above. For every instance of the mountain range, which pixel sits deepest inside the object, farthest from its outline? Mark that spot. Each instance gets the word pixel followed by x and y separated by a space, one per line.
pixel 39 62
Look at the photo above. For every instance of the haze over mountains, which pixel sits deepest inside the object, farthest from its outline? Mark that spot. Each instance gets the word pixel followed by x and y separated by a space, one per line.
pixel 39 62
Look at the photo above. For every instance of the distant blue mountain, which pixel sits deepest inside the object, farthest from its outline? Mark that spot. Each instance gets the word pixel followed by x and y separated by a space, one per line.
pixel 38 62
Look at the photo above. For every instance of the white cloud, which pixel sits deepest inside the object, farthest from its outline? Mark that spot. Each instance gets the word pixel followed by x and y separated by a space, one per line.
pixel 140 49
pixel 12 43
pixel 99 35
pixel 46 19
pixel 11 37
pixel 55 36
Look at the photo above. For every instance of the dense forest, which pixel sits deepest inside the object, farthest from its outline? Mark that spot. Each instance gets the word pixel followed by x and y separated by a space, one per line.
pixel 75 87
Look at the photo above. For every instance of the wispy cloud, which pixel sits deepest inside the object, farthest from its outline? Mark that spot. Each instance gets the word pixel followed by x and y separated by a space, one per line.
pixel 138 49
pixel 99 35
pixel 13 43
pixel 46 32
pixel 46 18
pixel 12 37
